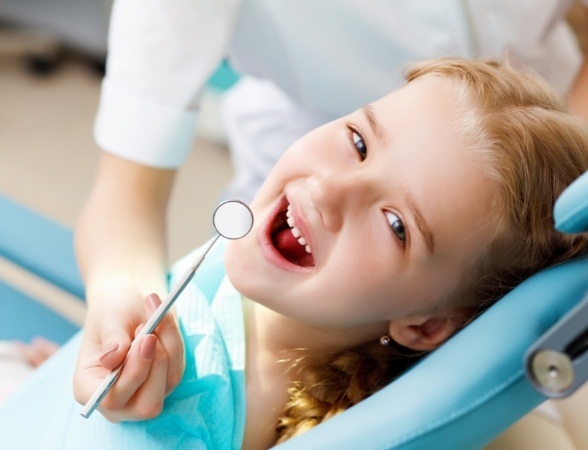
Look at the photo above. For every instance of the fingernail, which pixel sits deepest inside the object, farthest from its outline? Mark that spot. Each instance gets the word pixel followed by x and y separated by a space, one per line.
pixel 153 301
pixel 148 346
pixel 108 351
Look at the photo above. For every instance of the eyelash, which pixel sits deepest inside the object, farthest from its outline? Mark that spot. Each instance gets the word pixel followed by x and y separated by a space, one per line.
pixel 353 134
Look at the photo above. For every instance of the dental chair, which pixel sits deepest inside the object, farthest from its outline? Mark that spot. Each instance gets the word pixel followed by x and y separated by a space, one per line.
pixel 528 347
pixel 35 250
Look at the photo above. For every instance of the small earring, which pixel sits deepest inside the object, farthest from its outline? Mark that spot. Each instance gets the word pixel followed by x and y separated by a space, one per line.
pixel 385 340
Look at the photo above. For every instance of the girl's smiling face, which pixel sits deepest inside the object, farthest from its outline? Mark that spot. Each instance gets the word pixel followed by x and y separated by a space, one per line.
pixel 387 206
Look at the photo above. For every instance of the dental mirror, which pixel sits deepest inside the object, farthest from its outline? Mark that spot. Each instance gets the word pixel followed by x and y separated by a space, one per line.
pixel 233 220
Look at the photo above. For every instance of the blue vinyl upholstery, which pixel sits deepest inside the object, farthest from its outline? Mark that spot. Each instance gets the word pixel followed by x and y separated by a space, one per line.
pixel 45 249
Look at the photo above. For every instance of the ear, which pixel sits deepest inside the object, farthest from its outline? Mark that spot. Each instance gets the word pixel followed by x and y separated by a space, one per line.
pixel 425 332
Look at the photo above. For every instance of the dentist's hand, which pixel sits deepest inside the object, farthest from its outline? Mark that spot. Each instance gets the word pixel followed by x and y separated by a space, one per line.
pixel 153 368
pixel 120 244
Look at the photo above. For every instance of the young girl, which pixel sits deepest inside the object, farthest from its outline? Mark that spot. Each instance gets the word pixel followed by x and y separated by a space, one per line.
pixel 376 238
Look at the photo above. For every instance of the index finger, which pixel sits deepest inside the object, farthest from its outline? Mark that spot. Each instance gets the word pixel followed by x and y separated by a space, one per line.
pixel 169 335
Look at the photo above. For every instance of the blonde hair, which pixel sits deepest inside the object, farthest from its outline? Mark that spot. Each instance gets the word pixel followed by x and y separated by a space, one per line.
pixel 533 149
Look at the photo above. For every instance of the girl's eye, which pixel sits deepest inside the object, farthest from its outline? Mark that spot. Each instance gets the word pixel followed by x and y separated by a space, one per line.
pixel 396 225
pixel 359 144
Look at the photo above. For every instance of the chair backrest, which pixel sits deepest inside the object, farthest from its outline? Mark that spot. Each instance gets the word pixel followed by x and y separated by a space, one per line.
pixel 557 364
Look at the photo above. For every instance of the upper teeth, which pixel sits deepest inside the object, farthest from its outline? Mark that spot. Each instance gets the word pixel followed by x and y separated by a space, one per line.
pixel 296 231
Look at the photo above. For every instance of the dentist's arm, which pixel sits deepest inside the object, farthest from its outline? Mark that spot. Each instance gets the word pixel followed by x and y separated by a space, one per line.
pixel 120 245
pixel 578 96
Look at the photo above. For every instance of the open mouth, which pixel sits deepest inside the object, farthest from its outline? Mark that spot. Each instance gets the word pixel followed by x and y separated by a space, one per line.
pixel 288 240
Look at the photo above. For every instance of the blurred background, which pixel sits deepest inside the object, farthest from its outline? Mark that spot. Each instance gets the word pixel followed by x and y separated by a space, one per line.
pixel 51 63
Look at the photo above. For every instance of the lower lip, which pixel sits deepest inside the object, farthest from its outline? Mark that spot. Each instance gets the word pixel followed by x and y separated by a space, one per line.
pixel 267 247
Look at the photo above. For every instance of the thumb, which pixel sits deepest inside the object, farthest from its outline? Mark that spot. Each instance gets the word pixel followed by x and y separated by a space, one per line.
pixel 115 347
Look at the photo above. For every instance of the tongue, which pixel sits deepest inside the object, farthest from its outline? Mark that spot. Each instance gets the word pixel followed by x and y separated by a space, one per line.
pixel 290 249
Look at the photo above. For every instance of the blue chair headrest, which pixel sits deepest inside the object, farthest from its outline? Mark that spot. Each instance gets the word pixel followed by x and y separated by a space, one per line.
pixel 571 209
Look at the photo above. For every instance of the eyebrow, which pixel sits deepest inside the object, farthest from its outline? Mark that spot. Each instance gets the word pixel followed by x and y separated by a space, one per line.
pixel 376 127
pixel 421 224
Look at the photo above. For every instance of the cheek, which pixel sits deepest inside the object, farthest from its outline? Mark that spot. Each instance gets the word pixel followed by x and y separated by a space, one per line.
pixel 380 282
pixel 238 264
pixel 304 158
pixel 366 277
pixel 288 167
pixel 314 148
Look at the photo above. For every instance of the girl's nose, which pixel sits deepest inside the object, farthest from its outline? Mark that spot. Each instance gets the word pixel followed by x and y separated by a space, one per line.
pixel 338 195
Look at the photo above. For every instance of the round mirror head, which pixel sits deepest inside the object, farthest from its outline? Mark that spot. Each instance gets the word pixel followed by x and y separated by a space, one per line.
pixel 232 219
